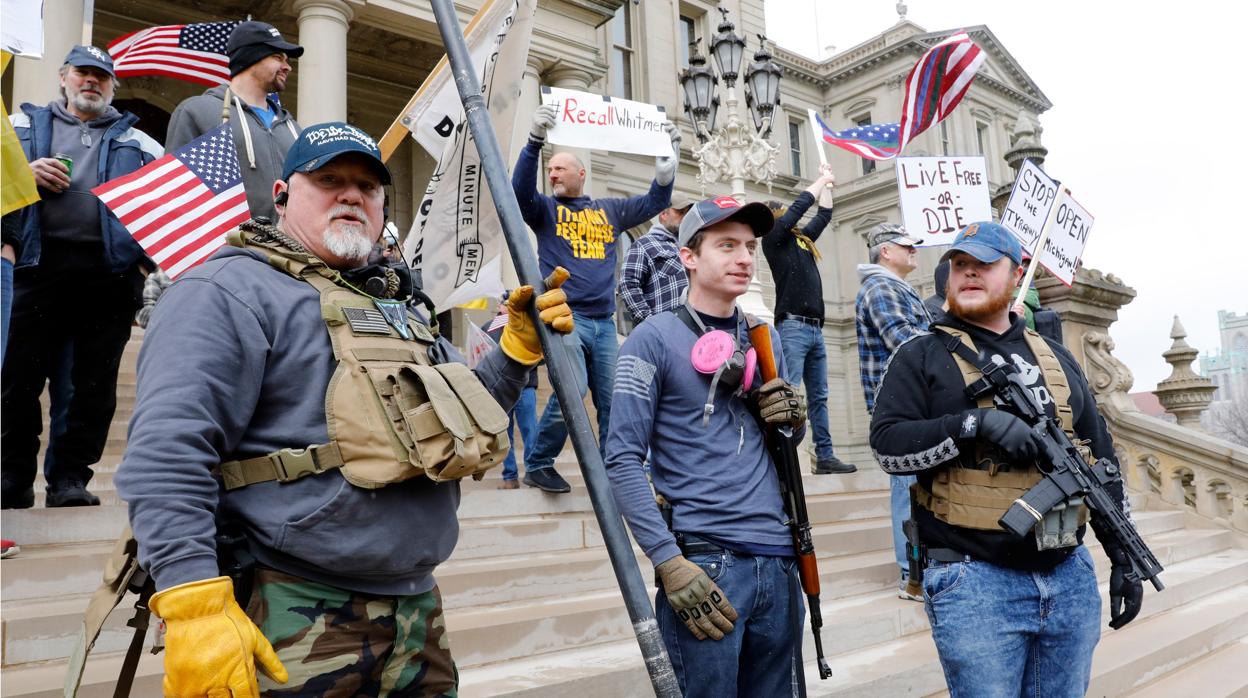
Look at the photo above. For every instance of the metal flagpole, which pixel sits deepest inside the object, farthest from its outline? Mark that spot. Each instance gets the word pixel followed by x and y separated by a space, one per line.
pixel 558 362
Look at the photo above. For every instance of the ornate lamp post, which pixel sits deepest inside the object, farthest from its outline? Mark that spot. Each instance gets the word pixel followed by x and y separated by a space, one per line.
pixel 734 152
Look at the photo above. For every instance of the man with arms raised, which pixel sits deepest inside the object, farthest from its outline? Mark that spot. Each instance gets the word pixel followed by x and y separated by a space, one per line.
pixel 1009 616
pixel 729 604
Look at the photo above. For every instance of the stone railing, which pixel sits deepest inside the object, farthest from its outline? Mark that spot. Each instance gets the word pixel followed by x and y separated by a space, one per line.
pixel 1181 464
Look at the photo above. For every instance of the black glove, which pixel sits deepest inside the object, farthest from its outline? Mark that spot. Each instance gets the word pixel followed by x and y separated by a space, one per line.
pixel 1126 591
pixel 1005 430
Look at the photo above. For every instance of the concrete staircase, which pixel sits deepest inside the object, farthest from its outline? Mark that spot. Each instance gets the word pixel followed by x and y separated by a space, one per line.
pixel 533 610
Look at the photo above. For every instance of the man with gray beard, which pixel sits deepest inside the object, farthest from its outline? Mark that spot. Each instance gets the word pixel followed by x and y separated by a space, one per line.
pixel 76 282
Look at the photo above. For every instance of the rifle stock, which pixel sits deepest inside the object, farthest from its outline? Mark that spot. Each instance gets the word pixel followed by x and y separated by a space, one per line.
pixel 783 449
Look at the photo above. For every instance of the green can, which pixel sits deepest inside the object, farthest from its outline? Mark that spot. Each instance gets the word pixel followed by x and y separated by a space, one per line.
pixel 68 162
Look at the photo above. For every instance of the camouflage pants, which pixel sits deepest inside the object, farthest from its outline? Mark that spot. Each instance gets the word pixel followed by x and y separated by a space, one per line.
pixel 340 643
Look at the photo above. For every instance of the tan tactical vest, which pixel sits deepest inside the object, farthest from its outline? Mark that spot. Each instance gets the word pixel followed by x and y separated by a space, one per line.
pixel 391 414
pixel 976 496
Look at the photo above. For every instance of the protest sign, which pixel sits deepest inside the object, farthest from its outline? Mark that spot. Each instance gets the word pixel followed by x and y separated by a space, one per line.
pixel 585 120
pixel 1067 238
pixel 1033 195
pixel 941 195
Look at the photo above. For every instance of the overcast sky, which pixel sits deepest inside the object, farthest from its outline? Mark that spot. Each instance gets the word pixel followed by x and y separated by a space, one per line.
pixel 1142 130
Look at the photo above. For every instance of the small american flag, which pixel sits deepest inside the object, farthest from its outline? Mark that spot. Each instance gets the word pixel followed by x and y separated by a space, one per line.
pixel 937 83
pixel 194 52
pixel 180 207
pixel 871 141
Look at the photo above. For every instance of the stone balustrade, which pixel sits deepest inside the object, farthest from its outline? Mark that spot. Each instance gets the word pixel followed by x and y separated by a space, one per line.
pixel 1183 466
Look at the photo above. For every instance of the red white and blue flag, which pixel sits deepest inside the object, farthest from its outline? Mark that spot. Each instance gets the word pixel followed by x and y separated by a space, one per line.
pixel 934 88
pixel 194 52
pixel 180 207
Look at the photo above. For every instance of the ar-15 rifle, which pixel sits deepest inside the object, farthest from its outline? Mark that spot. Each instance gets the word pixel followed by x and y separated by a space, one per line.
pixel 783 449
pixel 1066 473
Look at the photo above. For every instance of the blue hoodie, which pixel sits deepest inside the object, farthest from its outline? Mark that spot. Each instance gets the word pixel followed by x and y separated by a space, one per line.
pixel 579 233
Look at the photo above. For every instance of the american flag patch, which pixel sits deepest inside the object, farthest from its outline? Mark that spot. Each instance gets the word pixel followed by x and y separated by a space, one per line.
pixel 366 321
pixel 633 376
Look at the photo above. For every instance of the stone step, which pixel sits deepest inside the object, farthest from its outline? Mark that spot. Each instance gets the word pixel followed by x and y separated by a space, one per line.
pixel 1220 675
pixel 45 679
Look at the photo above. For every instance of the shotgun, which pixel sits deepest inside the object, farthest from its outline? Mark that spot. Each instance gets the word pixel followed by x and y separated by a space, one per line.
pixel 783 449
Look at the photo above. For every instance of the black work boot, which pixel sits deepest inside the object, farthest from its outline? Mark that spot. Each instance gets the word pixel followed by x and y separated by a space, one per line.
pixel 13 497
pixel 70 494
pixel 547 480
pixel 832 466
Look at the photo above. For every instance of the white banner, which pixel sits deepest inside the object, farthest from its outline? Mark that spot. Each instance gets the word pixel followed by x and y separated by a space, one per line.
pixel 457 241
pixel 1031 199
pixel 1067 239
pixel 585 120
pixel 21 27
pixel 941 195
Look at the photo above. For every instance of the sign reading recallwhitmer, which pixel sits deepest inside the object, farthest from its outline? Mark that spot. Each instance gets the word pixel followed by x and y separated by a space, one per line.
pixel 941 195
pixel 586 120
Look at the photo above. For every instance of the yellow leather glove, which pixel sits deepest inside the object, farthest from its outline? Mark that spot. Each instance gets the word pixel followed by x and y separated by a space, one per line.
pixel 519 339
pixel 211 646
pixel 696 599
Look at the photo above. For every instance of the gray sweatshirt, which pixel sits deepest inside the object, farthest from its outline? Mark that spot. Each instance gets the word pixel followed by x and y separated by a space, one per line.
pixel 719 478
pixel 235 364
pixel 261 149
pixel 74 214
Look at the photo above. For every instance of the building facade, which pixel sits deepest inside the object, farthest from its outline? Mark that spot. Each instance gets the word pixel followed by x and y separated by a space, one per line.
pixel 365 58
pixel 1228 367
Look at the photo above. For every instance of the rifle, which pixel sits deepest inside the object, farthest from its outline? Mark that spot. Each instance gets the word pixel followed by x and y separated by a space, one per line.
pixel 783 449
pixel 1067 474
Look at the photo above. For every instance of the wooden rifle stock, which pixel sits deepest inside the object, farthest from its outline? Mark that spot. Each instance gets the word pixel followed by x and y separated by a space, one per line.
pixel 783 449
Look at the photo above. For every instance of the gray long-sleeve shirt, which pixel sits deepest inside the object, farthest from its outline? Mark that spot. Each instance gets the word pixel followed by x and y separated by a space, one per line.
pixel 235 364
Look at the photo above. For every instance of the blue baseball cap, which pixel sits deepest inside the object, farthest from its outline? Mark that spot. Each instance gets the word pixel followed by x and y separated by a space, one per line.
pixel 318 145
pixel 89 56
pixel 708 212
pixel 987 242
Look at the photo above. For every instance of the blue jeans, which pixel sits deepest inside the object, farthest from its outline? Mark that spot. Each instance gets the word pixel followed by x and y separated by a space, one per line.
pixel 1003 632
pixel 6 303
pixel 595 349
pixel 762 656
pixel 524 412
pixel 806 360
pixel 899 504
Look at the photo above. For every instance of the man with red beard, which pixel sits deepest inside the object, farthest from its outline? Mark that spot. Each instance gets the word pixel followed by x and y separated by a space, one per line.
pixel 1009 616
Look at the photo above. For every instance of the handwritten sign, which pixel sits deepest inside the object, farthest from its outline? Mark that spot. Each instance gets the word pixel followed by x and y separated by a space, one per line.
pixel 586 120
pixel 1034 194
pixel 1067 239
pixel 941 195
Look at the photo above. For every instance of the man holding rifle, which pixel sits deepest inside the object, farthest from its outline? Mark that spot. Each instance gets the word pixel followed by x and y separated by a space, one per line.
pixel 730 604
pixel 1009 614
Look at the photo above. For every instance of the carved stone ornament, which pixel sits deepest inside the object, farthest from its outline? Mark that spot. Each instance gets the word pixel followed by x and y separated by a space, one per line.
pixel 1185 394
pixel 1109 378
pixel 714 157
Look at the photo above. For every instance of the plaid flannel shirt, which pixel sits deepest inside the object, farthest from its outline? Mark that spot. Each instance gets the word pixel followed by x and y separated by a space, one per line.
pixel 155 285
pixel 653 278
pixel 887 312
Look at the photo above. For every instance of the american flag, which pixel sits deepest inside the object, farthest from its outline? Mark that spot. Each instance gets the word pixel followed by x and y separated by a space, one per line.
pixel 194 52
pixel 180 207
pixel 871 141
pixel 937 83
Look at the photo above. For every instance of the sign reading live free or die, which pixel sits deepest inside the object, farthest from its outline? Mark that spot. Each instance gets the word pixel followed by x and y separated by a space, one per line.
pixel 586 120
pixel 941 195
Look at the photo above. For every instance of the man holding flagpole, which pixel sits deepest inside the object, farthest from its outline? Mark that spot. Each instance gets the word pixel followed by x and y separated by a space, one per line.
pixel 579 233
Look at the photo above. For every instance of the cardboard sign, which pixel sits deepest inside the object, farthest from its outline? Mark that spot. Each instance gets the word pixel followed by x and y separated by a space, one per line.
pixel 585 120
pixel 1033 195
pixel 941 195
pixel 1067 239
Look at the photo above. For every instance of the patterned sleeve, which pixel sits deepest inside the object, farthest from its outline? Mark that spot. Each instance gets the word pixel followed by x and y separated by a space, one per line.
pixel 906 440
pixel 891 313
pixel 633 280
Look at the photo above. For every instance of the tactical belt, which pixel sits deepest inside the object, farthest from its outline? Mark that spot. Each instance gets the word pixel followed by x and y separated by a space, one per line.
pixel 286 465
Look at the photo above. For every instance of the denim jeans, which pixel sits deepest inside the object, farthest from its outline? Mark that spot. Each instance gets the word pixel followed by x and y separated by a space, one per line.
pixel 6 303
pixel 595 349
pixel 1003 632
pixel 524 413
pixel 899 503
pixel 762 656
pixel 806 360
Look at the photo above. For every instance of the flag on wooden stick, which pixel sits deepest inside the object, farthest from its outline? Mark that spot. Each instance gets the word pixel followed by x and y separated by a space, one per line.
pixel 180 207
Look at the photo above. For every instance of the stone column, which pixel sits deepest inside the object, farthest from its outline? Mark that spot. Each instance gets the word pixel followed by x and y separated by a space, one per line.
pixel 38 80
pixel 323 66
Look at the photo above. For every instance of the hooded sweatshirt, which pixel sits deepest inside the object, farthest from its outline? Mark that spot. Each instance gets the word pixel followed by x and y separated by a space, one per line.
pixel 261 149
pixel 74 215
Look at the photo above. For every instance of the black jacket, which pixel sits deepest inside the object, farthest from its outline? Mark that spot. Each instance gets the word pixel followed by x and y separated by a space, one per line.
pixel 918 416
pixel 799 289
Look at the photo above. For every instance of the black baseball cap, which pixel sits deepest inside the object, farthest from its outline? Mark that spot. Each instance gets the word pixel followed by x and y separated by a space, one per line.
pixel 252 42
pixel 89 56
pixel 319 144
pixel 708 212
